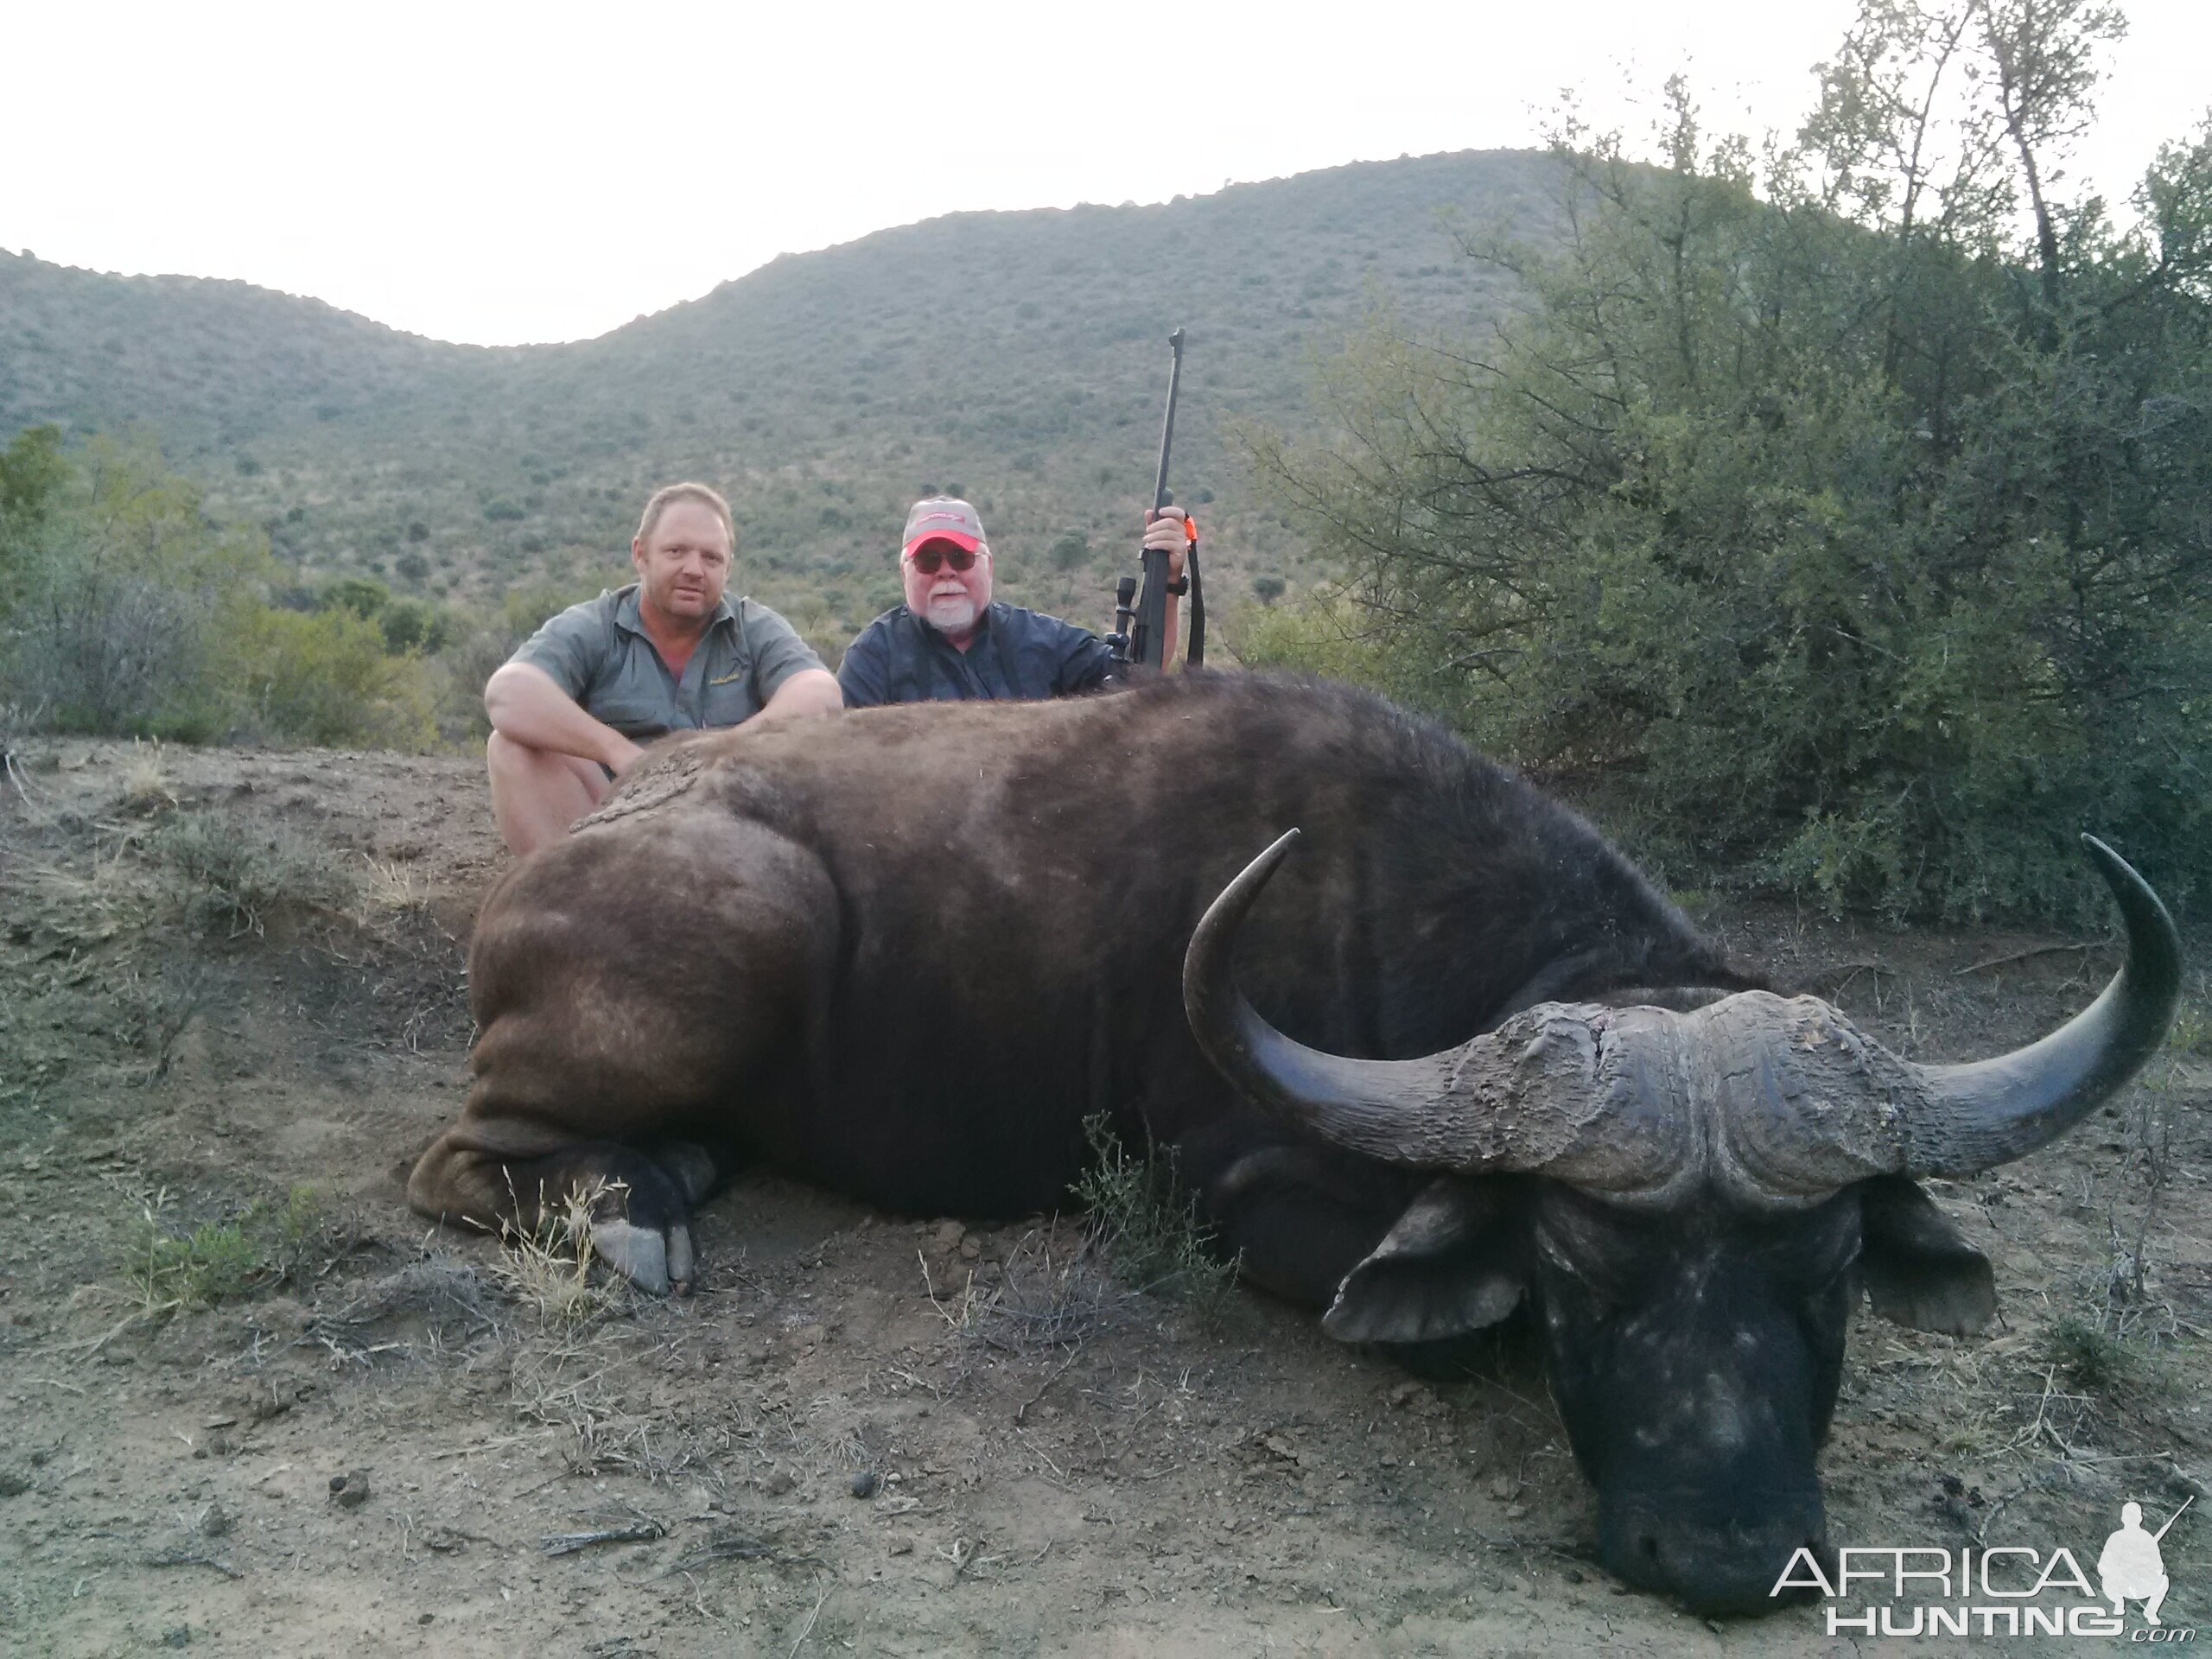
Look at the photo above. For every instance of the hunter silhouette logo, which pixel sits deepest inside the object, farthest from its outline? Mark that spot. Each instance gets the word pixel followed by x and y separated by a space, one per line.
pixel 1994 1589
pixel 2131 1568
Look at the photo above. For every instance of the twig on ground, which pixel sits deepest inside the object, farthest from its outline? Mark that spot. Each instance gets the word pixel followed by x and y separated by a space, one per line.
pixel 182 1557
pixel 2022 955
pixel 567 1543
pixel 807 1629
pixel 739 1547
pixel 1021 1413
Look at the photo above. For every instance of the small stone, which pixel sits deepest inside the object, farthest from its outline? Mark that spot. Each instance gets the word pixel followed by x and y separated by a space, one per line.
pixel 263 1404
pixel 865 1482
pixel 945 1237
pixel 13 1483
pixel 969 1249
pixel 214 1521
pixel 778 1482
pixel 350 1489
pixel 901 1546
pixel 424 1618
pixel 180 1636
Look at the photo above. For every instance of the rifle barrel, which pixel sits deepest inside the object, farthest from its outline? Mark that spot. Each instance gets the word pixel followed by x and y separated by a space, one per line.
pixel 2170 1519
pixel 1167 423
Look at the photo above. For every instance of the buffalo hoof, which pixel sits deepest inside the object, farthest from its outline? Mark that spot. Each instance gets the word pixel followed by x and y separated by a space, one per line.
pixel 690 1166
pixel 655 1261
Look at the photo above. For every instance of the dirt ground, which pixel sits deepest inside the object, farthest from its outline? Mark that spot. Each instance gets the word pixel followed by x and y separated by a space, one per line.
pixel 865 1433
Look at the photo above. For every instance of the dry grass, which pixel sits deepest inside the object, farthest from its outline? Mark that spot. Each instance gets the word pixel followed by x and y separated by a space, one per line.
pixel 156 1006
pixel 1053 1291
pixel 547 1269
pixel 234 873
pixel 392 889
pixel 146 786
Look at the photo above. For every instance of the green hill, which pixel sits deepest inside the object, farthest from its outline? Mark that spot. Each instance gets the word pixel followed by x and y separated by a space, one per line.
pixel 1019 355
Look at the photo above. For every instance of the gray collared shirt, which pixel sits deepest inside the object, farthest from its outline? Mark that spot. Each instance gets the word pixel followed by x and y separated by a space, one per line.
pixel 598 653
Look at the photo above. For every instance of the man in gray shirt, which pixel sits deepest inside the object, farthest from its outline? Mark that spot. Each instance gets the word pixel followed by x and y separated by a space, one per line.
pixel 571 709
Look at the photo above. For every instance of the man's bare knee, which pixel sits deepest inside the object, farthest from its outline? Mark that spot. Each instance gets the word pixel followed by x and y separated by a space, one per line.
pixel 537 794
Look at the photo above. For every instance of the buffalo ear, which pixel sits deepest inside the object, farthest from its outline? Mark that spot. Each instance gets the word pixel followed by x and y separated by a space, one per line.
pixel 1918 1269
pixel 1448 1266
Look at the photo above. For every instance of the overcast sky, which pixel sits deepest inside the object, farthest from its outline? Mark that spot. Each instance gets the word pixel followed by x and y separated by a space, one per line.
pixel 501 174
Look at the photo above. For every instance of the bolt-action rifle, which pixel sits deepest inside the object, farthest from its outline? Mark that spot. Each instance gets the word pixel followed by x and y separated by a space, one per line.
pixel 1141 620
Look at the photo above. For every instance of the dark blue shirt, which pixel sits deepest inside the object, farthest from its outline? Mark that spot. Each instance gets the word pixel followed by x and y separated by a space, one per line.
pixel 1016 654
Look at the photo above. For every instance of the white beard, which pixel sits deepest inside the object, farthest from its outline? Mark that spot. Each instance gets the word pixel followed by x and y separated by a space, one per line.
pixel 952 612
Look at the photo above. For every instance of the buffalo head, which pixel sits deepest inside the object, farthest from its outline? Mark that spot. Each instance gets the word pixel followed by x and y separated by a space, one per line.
pixel 1691 1203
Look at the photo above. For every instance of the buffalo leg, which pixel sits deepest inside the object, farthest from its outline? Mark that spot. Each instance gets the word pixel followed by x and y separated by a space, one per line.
pixel 640 1213
pixel 1296 1218
pixel 625 1023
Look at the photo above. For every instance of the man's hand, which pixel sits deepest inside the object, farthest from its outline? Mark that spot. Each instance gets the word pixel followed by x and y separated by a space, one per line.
pixel 810 692
pixel 527 706
pixel 1163 532
pixel 622 755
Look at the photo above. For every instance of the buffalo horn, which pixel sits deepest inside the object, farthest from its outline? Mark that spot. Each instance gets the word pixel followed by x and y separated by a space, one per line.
pixel 1977 1117
pixel 1517 1099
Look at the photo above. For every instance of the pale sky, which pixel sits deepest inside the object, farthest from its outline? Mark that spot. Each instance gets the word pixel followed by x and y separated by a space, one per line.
pixel 499 173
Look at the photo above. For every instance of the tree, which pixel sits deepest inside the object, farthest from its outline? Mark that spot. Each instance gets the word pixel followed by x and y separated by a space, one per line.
pixel 1841 521
pixel 122 597
pixel 32 474
pixel 135 613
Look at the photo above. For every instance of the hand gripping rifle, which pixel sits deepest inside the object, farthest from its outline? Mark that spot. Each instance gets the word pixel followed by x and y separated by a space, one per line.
pixel 1141 628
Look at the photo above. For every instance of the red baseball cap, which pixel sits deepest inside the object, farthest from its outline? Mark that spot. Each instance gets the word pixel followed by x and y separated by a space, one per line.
pixel 942 518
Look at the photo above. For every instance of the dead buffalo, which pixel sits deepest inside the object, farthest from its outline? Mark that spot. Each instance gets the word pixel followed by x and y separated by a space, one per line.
pixel 906 953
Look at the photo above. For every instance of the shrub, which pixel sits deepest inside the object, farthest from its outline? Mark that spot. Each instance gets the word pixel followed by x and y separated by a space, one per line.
pixel 1147 1221
pixel 238 875
pixel 170 1270
pixel 120 589
pixel 363 595
pixel 327 679
pixel 1857 553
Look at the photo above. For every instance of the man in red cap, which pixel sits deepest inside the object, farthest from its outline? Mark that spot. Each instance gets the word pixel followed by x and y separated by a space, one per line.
pixel 950 640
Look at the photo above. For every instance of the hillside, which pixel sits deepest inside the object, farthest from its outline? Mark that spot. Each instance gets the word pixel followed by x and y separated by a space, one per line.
pixel 1019 355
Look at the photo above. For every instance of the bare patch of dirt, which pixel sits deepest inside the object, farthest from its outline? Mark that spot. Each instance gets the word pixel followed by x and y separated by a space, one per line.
pixel 865 1433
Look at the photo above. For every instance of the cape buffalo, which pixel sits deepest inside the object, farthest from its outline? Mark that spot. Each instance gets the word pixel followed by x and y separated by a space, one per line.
pixel 906 952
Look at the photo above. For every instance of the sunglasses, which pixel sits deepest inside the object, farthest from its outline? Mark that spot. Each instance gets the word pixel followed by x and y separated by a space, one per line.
pixel 934 557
